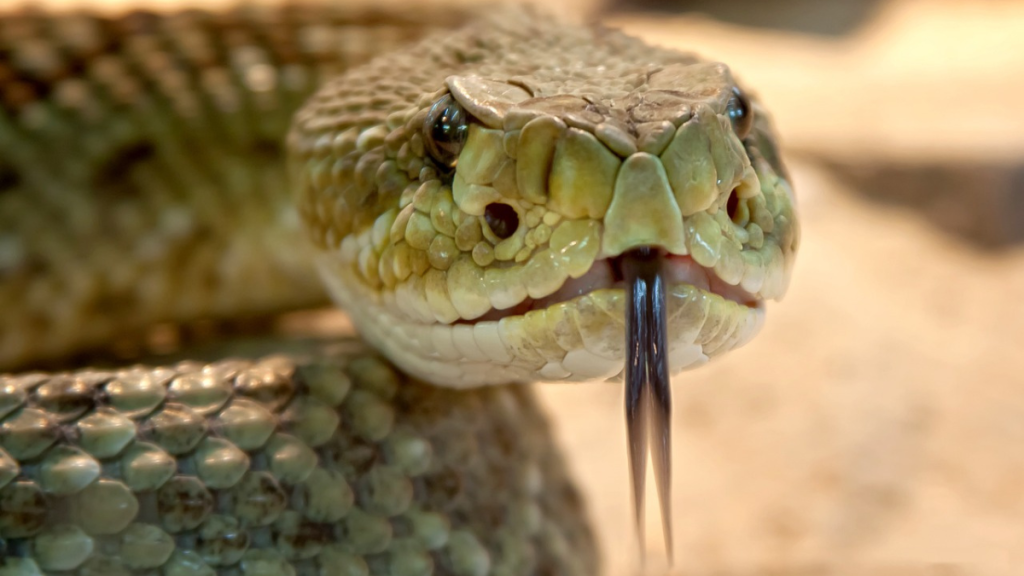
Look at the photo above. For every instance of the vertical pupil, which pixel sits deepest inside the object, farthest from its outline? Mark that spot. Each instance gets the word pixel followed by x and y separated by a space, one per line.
pixel 446 130
pixel 740 109
pixel 443 128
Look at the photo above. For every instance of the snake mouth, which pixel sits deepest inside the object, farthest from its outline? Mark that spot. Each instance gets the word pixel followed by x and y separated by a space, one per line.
pixel 608 273
pixel 643 275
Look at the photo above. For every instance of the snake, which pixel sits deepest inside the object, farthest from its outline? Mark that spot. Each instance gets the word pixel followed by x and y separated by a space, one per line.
pixel 495 197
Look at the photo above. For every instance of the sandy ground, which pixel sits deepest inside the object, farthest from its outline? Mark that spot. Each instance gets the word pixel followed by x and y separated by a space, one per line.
pixel 918 80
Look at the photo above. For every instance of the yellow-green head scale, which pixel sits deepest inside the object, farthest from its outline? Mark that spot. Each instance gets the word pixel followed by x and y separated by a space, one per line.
pixel 470 206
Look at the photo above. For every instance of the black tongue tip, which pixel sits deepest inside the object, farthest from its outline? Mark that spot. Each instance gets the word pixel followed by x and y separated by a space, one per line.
pixel 648 397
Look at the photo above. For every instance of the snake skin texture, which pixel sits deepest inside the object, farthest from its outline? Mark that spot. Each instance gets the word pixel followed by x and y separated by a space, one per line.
pixel 328 463
pixel 142 173
pixel 142 181
pixel 159 169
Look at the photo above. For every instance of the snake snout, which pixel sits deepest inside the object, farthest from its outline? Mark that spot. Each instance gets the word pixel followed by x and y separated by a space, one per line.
pixel 643 212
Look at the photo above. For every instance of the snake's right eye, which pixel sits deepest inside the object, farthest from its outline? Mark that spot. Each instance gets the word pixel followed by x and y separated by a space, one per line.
pixel 740 113
pixel 445 131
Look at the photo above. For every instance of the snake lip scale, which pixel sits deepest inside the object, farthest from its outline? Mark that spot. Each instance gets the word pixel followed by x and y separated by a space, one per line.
pixel 607 273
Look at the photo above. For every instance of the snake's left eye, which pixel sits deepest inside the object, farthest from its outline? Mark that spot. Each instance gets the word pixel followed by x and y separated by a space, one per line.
pixel 445 131
pixel 741 113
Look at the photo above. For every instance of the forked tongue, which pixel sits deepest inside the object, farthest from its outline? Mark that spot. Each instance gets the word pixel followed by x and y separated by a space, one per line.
pixel 648 397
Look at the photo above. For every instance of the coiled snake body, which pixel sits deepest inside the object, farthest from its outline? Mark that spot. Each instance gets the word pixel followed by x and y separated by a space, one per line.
pixel 488 205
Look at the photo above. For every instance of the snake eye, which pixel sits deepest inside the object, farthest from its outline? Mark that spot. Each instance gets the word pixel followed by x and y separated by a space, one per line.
pixel 741 113
pixel 502 219
pixel 445 131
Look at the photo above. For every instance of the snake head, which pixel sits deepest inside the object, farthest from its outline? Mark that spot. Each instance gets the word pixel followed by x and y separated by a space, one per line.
pixel 473 198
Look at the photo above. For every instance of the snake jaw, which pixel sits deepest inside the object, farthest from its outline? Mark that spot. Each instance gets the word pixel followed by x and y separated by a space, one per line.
pixel 581 338
pixel 607 273
pixel 502 264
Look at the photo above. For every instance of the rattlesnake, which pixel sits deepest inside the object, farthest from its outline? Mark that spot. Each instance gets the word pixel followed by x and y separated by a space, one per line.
pixel 492 205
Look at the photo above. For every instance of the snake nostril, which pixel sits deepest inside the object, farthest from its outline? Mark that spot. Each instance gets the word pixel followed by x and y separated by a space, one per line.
pixel 502 219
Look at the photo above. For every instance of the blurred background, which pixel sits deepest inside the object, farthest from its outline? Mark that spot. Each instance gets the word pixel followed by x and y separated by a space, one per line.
pixel 877 424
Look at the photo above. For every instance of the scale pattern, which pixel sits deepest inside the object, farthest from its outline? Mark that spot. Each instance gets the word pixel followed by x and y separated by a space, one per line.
pixel 142 180
pixel 332 464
